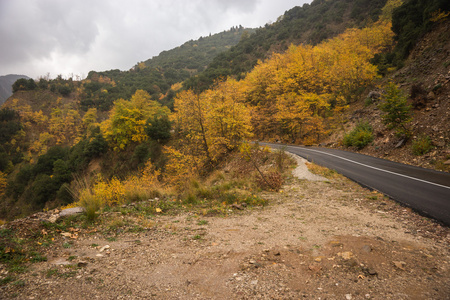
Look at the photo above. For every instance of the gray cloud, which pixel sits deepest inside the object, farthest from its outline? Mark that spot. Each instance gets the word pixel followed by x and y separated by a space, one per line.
pixel 63 37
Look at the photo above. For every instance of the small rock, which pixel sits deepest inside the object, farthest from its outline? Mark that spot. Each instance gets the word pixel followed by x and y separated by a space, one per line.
pixel 237 206
pixel 104 248
pixel 252 261
pixel 71 211
pixel 399 144
pixel 400 264
pixel 348 296
pixel 254 282
pixel 53 218
pixel 315 268
pixel 371 271
pixel 82 263
pixel 59 261
pixel 345 255
pixel 367 249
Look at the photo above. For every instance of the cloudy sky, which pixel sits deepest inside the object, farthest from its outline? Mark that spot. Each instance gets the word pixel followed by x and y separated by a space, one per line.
pixel 75 36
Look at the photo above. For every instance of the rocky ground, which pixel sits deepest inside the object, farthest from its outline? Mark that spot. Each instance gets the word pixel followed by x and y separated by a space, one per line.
pixel 317 239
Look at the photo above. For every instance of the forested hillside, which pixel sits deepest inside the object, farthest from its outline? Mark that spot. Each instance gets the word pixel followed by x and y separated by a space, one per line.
pixel 309 24
pixel 121 136
pixel 158 74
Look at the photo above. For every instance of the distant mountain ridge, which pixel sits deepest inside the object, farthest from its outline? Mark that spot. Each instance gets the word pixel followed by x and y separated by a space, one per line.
pixel 6 83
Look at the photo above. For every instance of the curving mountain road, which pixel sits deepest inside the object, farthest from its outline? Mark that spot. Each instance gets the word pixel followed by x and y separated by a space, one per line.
pixel 424 190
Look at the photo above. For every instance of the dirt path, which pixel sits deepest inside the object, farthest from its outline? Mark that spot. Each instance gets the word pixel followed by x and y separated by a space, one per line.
pixel 316 240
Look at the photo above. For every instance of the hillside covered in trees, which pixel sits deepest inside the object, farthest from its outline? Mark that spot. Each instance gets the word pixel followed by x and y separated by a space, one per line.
pixel 309 24
pixel 160 129
pixel 157 75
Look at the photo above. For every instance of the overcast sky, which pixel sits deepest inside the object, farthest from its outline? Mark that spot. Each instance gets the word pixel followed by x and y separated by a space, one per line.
pixel 75 36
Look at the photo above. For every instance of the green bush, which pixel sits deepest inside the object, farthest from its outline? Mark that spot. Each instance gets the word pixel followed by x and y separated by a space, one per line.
pixel 422 145
pixel 360 136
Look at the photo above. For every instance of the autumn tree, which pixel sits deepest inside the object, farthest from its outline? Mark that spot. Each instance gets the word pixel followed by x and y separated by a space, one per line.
pixel 3 183
pixel 228 119
pixel 292 95
pixel 213 122
pixel 189 117
pixel 65 125
pixel 128 120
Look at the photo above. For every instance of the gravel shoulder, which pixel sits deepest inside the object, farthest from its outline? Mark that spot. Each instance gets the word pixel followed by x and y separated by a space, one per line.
pixel 317 239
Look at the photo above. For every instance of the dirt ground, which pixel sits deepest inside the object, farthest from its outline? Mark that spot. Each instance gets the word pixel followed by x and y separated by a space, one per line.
pixel 315 240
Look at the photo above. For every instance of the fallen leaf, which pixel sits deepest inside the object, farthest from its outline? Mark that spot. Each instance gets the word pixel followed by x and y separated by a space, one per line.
pixel 158 210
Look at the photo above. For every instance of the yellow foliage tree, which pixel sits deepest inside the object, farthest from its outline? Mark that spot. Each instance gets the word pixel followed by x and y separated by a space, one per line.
pixel 292 94
pixel 65 125
pixel 3 183
pixel 212 123
pixel 128 119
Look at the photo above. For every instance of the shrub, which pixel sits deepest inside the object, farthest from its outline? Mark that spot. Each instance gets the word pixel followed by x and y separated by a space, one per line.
pixel 64 195
pixel 422 145
pixel 43 189
pixel 271 181
pixel 91 203
pixel 360 136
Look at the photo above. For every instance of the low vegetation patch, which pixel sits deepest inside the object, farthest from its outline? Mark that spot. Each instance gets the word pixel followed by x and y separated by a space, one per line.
pixel 360 136
pixel 322 171
pixel 422 145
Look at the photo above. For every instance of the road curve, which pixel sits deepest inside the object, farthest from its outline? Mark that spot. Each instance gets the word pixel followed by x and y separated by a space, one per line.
pixel 426 191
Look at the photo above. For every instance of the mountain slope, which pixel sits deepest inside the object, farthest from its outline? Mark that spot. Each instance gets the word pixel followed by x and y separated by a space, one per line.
pixel 159 73
pixel 196 55
pixel 6 83
pixel 425 81
pixel 309 24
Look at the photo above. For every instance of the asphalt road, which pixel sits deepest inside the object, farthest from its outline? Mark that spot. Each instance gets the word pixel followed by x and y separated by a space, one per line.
pixel 426 191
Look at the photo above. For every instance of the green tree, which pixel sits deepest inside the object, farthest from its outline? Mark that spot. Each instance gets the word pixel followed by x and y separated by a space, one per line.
pixel 24 84
pixel 158 128
pixel 397 110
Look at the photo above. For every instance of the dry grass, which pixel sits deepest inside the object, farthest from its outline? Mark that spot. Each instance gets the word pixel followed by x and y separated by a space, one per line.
pixel 323 171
